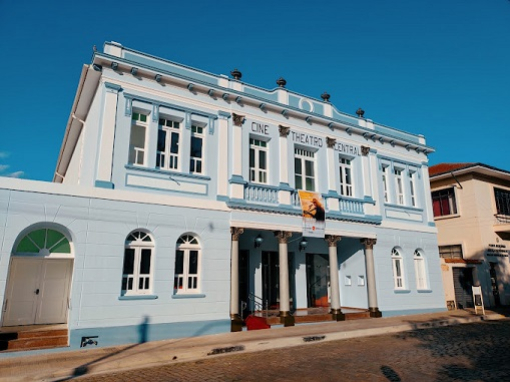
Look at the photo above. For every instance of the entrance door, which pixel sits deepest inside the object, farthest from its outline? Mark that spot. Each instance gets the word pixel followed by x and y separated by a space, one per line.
pixel 317 275
pixel 270 279
pixel 494 284
pixel 462 282
pixel 38 291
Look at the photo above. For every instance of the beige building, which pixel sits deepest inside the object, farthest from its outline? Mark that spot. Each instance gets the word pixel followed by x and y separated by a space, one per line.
pixel 471 203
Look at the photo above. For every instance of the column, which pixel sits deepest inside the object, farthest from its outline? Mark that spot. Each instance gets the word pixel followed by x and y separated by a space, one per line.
pixel 236 323
pixel 285 189
pixel 372 290
pixel 336 310
pixel 105 154
pixel 285 316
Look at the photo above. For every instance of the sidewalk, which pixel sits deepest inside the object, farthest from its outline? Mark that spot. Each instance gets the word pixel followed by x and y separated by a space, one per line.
pixel 68 365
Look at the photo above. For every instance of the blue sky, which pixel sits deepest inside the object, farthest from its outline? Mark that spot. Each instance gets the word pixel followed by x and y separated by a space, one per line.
pixel 439 68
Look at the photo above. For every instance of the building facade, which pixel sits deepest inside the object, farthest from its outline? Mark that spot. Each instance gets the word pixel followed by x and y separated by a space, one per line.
pixel 175 207
pixel 471 204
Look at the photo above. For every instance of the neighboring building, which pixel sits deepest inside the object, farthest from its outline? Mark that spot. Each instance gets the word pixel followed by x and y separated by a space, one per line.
pixel 174 208
pixel 471 203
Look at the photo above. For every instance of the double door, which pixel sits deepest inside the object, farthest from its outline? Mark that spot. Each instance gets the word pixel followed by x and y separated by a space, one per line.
pixel 38 291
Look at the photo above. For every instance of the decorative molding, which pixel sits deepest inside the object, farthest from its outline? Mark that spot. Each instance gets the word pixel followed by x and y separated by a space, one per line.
pixel 239 99
pixel 365 150
pixel 211 93
pixel 332 240
pixel 368 243
pixel 238 119
pixel 237 179
pixel 104 184
pixel 330 142
pixel 263 106
pixel 285 112
pixel 283 236
pixel 211 125
pixel 129 107
pixel 187 120
pixel 283 130
pixel 155 112
pixel 225 96
pixel 112 88
pixel 224 114
pixel 236 233
pixel 190 87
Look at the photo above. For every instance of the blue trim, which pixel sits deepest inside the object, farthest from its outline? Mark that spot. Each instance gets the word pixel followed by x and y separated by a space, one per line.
pixel 183 296
pixel 211 126
pixel 111 86
pixel 431 224
pixel 424 291
pixel 400 207
pixel 167 172
pixel 332 194
pixel 104 184
pixel 139 297
pixel 372 150
pixel 222 198
pixel 187 120
pixel 128 107
pixel 261 185
pixel 237 179
pixel 224 114
pixel 165 189
pixel 370 219
pixel 281 209
pixel 172 106
pixel 369 199
pixel 393 313
pixel 155 112
pixel 402 291
pixel 285 187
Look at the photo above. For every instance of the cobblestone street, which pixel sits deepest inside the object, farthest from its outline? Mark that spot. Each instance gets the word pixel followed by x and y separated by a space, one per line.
pixel 471 352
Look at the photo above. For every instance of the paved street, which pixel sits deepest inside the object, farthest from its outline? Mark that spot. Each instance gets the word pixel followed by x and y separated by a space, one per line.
pixel 471 352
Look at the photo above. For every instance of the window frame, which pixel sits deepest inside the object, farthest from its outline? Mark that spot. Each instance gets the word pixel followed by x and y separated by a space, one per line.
pixel 450 197
pixel 300 154
pixel 186 244
pixel 136 241
pixel 502 204
pixel 384 178
pixel 398 174
pixel 412 189
pixel 172 161
pixel 420 268
pixel 397 261
pixel 345 173
pixel 197 132
pixel 254 162
pixel 138 123
pixel 452 251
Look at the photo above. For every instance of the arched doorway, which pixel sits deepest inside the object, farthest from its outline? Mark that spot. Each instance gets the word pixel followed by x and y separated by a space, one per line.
pixel 39 279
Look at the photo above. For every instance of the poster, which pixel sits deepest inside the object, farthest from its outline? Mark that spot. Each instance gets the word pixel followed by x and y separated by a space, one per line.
pixel 314 214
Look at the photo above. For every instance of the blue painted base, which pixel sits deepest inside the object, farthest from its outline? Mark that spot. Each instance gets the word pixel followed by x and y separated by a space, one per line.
pixel 393 313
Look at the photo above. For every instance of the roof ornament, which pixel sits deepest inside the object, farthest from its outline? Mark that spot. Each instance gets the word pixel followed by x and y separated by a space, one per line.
pixel 281 82
pixel 360 112
pixel 325 97
pixel 236 74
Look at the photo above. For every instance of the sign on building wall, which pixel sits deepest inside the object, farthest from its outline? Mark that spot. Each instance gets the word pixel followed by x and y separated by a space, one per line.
pixel 497 250
pixel 314 214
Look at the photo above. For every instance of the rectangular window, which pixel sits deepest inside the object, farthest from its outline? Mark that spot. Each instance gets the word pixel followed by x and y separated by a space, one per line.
pixel 443 202
pixel 304 167
pixel 167 155
pixel 412 188
pixel 399 186
pixel 137 139
pixel 450 252
pixel 502 201
pixel 385 183
pixel 397 273
pixel 345 176
pixel 196 151
pixel 258 161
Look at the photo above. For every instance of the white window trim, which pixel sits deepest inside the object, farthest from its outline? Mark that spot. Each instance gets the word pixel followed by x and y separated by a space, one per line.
pixel 256 171
pixel 384 171
pixel 396 257
pixel 169 130
pixel 196 159
pixel 299 153
pixel 139 150
pixel 183 277
pixel 138 245
pixel 346 189
pixel 420 268
pixel 398 174
pixel 412 189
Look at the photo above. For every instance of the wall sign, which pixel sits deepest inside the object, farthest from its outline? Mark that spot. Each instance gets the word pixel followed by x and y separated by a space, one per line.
pixel 260 128
pixel 497 250
pixel 307 139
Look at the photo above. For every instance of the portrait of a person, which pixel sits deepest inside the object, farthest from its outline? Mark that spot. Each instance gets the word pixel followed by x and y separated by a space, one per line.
pixel 316 210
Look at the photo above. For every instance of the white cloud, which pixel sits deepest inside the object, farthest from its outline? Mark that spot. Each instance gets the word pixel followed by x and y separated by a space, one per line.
pixel 17 174
pixel 3 167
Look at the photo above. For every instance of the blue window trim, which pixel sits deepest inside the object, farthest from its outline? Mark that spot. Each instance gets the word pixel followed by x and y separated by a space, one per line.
pixel 184 296
pixel 424 290
pixel 139 297
pixel 402 291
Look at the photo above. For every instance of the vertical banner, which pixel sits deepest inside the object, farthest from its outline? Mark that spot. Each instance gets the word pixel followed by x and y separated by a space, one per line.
pixel 314 214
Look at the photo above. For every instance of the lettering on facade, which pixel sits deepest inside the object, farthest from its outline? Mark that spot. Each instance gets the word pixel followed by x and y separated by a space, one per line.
pixel 347 148
pixel 260 128
pixel 497 250
pixel 307 139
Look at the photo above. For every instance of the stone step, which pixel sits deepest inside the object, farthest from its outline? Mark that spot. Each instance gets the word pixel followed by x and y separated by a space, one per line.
pixel 42 333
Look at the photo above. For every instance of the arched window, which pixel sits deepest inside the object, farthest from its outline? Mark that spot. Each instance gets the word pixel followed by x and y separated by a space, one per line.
pixel 44 242
pixel 419 267
pixel 136 273
pixel 398 268
pixel 187 259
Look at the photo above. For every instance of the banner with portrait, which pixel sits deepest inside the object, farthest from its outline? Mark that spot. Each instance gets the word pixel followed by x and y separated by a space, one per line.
pixel 314 214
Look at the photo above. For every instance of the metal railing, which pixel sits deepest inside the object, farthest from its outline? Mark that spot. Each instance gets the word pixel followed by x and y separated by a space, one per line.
pixel 258 304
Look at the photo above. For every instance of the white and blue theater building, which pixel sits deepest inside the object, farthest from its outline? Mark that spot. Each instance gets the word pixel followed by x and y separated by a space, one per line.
pixel 174 208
